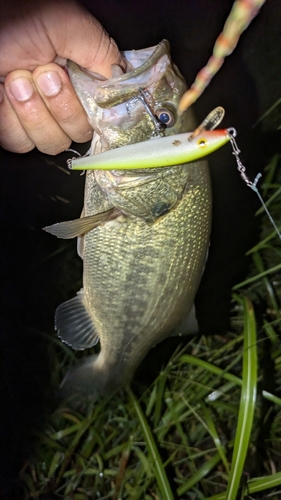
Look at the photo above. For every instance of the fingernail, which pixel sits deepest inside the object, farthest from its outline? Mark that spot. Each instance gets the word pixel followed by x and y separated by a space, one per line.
pixel 50 83
pixel 21 88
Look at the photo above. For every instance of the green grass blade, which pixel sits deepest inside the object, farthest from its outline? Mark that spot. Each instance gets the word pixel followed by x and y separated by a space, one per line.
pixel 214 433
pixel 275 195
pixel 258 261
pixel 264 483
pixel 160 474
pixel 256 485
pixel 268 111
pixel 221 496
pixel 200 474
pixel 57 460
pixel 257 277
pixel 187 358
pixel 264 243
pixel 272 398
pixel 247 402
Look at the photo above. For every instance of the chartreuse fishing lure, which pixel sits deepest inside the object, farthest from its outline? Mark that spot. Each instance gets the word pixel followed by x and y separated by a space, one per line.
pixel 160 151
pixel 156 152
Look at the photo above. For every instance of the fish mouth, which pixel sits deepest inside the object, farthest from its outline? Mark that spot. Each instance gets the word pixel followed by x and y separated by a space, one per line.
pixel 127 108
pixel 108 104
pixel 144 67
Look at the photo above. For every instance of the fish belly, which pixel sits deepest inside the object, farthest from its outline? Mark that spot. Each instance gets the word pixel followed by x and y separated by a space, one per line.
pixel 140 278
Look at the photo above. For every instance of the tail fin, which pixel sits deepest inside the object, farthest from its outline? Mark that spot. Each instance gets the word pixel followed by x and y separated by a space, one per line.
pixel 91 379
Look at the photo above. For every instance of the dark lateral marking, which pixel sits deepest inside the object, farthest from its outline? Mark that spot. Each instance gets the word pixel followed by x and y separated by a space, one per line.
pixel 176 143
pixel 160 208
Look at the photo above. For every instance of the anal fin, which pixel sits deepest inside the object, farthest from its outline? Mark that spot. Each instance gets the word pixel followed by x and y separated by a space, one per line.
pixel 74 324
pixel 73 228
pixel 188 326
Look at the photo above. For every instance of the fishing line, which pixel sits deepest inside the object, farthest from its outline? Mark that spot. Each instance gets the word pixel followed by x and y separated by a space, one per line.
pixel 253 185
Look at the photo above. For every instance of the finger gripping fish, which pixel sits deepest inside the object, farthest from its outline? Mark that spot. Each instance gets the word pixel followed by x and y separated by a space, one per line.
pixel 143 234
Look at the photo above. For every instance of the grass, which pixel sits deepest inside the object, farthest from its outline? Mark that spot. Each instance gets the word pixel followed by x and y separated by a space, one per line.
pixel 209 427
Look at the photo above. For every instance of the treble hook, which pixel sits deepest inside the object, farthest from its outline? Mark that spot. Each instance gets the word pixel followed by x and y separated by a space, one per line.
pixel 69 160
pixel 158 125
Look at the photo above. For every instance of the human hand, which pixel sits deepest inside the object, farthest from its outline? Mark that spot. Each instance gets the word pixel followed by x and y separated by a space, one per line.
pixel 38 105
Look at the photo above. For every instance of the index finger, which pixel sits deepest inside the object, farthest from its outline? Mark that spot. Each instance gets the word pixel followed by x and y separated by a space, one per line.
pixel 34 33
pixel 81 38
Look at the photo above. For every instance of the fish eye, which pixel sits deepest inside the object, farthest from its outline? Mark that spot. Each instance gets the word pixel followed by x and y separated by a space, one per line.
pixel 202 143
pixel 166 116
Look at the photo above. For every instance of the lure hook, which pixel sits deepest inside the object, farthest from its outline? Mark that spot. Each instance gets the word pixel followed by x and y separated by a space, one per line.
pixel 158 125
pixel 69 160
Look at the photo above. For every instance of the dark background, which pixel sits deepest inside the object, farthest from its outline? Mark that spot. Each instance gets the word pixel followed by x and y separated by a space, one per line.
pixel 38 272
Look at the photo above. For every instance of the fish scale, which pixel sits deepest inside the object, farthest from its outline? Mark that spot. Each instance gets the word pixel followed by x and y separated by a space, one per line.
pixel 140 268
pixel 147 231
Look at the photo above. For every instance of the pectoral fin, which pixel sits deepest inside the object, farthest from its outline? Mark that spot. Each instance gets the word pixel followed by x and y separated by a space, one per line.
pixel 74 324
pixel 73 228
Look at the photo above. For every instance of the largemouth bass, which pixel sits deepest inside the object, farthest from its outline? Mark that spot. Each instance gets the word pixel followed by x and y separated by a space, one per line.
pixel 143 234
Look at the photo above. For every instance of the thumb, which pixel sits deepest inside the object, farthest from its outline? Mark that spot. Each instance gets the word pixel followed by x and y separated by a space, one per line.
pixel 75 34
